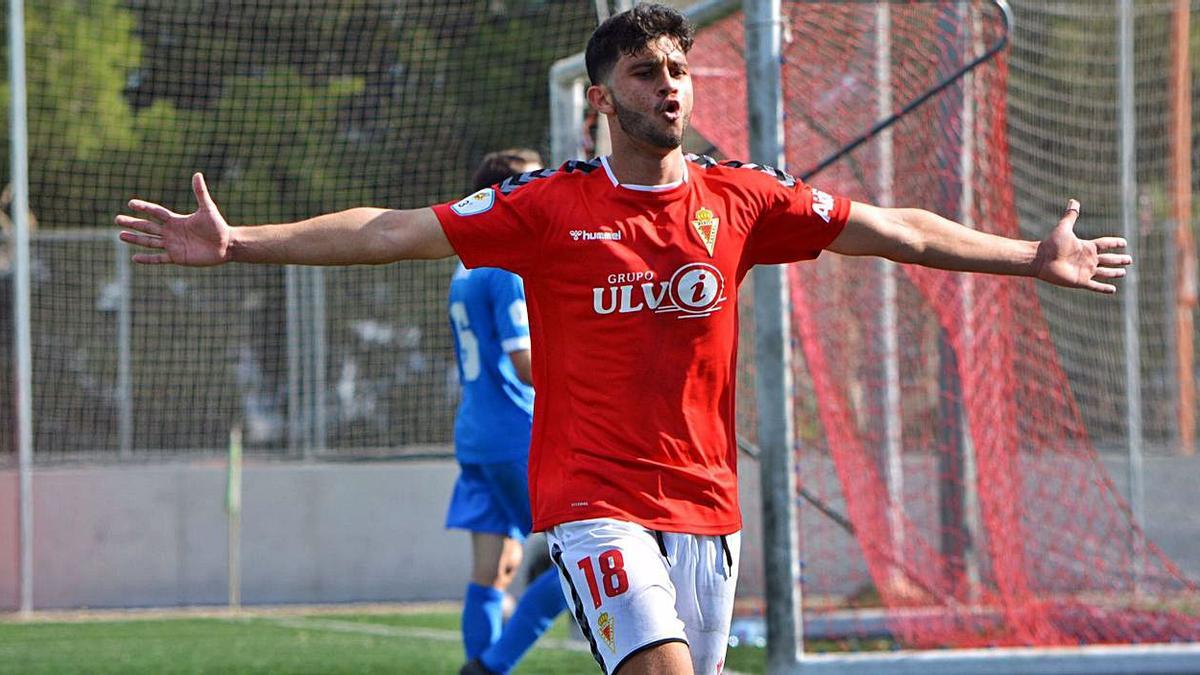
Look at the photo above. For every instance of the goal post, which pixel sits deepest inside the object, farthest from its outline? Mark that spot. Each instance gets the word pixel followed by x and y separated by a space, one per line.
pixel 1093 660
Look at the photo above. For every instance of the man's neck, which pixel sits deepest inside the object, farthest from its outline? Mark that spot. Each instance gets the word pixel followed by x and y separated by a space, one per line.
pixel 637 166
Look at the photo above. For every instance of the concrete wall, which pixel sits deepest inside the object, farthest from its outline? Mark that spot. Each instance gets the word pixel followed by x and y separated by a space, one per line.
pixel 128 536
pixel 155 535
pixel 9 542
pixel 136 536
pixel 1172 503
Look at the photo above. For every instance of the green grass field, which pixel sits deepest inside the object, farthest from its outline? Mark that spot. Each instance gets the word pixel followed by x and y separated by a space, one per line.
pixel 325 642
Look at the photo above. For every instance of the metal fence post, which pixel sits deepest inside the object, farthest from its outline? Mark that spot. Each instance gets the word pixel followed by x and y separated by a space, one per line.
pixel 772 344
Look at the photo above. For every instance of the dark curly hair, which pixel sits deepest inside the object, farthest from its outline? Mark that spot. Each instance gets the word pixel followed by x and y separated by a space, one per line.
pixel 629 32
pixel 496 166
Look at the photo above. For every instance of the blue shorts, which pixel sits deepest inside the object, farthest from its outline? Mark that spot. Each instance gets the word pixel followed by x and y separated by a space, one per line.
pixel 492 499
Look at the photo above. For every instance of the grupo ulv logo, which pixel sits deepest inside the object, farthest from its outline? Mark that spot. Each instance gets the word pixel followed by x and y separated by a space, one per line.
pixel 695 290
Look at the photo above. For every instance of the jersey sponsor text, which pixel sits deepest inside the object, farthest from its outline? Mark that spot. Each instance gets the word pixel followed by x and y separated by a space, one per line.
pixel 695 290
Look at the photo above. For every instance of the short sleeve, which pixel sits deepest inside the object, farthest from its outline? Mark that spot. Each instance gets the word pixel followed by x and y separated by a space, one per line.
pixel 494 227
pixel 798 221
pixel 509 314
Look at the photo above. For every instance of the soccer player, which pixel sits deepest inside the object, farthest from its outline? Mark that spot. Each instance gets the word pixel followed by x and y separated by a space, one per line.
pixel 491 442
pixel 631 265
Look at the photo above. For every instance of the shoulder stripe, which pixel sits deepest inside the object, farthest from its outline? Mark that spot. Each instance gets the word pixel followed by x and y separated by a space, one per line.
pixel 706 162
pixel 570 166
pixel 584 165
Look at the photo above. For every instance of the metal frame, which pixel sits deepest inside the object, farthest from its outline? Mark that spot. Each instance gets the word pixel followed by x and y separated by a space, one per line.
pixel 22 338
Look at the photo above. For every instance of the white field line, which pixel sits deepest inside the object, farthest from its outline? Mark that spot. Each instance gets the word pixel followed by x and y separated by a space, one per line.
pixel 221 612
pixel 381 630
pixel 286 616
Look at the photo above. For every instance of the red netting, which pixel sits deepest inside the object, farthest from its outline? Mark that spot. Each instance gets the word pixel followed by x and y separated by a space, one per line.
pixel 996 524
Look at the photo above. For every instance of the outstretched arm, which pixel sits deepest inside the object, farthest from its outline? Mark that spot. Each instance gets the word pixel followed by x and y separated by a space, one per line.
pixel 924 238
pixel 351 237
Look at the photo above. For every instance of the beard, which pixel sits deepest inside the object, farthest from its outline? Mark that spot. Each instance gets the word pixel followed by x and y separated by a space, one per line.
pixel 642 127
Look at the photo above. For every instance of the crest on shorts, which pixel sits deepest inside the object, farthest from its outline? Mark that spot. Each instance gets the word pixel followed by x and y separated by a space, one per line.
pixel 706 224
pixel 605 624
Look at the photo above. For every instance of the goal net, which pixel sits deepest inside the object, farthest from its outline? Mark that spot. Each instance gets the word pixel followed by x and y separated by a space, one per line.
pixel 957 427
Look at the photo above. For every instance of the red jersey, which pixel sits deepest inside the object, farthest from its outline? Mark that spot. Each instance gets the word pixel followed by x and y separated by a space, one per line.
pixel 632 295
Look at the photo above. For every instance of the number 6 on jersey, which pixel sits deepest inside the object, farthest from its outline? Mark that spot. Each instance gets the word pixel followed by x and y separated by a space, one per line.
pixel 467 342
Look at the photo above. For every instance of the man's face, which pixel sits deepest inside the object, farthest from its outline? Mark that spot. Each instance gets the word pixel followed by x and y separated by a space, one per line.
pixel 652 94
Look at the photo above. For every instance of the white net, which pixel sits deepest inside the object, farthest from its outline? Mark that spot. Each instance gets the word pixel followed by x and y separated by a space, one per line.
pixel 1065 135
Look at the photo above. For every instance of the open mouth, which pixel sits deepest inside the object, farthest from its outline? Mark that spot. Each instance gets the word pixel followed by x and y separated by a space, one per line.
pixel 669 109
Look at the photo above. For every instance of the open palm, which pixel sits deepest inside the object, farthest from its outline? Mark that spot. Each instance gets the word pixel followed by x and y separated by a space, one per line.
pixel 197 239
pixel 1064 259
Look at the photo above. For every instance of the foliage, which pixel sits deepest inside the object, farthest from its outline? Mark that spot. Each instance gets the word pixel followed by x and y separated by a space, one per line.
pixel 291 110
pixel 77 54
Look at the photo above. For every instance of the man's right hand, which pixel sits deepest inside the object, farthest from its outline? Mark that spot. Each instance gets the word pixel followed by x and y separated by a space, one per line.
pixel 199 239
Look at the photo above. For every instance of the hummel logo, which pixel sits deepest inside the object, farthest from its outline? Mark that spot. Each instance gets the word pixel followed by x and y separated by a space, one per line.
pixel 592 236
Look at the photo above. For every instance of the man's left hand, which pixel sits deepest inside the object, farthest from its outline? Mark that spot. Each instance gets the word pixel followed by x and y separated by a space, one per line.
pixel 1064 259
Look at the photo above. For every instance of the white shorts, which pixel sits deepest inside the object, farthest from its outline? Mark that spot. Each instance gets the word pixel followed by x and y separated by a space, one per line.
pixel 631 588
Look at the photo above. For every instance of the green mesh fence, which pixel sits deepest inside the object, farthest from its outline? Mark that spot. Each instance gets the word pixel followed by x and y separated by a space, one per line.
pixel 290 108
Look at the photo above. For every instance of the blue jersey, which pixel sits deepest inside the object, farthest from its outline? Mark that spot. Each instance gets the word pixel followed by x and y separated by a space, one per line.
pixel 489 320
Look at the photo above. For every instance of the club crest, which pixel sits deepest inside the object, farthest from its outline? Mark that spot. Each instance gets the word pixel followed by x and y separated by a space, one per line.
pixel 706 224
pixel 607 631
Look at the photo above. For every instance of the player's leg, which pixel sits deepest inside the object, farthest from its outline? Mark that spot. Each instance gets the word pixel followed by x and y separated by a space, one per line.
pixel 542 600
pixel 704 570
pixel 508 494
pixel 619 589
pixel 495 558
pixel 482 617
pixel 671 657
pixel 495 561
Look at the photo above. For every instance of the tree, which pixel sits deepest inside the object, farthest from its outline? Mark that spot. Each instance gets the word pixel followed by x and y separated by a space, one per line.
pixel 78 57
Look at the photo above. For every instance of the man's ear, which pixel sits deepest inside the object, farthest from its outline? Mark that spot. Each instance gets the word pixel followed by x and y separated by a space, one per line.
pixel 599 96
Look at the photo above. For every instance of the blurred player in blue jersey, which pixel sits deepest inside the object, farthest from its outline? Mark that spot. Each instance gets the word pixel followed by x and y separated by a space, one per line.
pixel 491 440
